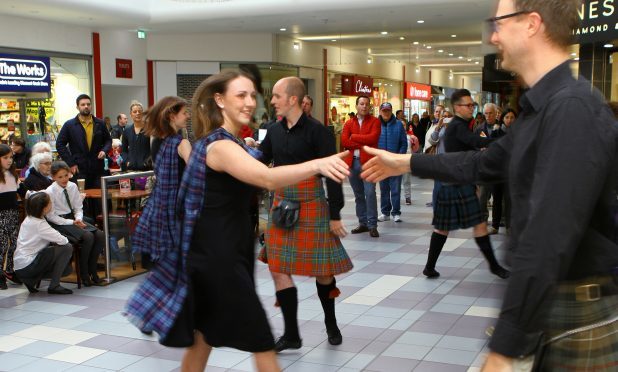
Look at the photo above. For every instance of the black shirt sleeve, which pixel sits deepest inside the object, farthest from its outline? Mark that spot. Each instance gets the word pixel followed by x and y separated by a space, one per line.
pixel 326 146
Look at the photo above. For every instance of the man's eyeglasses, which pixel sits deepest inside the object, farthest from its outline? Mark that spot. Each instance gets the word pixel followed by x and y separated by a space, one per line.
pixel 493 24
pixel 468 105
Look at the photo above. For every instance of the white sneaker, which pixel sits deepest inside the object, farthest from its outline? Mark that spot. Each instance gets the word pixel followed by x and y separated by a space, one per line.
pixel 397 218
pixel 383 218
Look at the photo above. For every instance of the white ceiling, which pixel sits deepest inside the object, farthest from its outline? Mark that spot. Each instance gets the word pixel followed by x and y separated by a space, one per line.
pixel 354 24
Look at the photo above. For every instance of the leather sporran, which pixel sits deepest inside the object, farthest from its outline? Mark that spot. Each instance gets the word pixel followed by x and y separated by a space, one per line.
pixel 285 215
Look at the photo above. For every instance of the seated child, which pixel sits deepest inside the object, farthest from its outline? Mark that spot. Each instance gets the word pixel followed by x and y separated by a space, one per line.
pixel 67 215
pixel 41 252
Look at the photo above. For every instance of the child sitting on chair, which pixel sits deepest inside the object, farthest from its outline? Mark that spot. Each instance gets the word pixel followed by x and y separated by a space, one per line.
pixel 67 215
pixel 41 252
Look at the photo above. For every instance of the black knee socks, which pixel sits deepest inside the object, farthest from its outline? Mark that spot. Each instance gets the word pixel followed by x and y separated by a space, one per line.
pixel 288 300
pixel 435 247
pixel 327 294
pixel 485 246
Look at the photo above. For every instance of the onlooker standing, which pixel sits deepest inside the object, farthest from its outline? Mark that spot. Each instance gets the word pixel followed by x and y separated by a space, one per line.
pixel 361 130
pixel 108 123
pixel 118 129
pixel 490 112
pixel 83 143
pixel 21 153
pixel 9 214
pixel 413 147
pixel 307 105
pixel 135 143
pixel 393 139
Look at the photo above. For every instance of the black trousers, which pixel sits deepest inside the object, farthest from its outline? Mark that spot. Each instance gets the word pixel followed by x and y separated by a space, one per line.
pixel 50 263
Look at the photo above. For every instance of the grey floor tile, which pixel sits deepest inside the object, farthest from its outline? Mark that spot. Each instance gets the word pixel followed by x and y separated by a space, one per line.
pixel 40 349
pixel 383 363
pixel 45 365
pixel 426 366
pixel 11 361
pixel 113 360
pixel 461 343
pixel 450 356
pixel 152 365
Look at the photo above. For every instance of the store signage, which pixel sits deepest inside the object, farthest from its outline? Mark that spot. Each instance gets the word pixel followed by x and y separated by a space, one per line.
pixel 124 68
pixel 599 21
pixel 24 73
pixel 417 91
pixel 356 85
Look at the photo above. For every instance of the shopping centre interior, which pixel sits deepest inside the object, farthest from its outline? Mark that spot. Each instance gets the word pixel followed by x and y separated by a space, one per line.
pixel 410 53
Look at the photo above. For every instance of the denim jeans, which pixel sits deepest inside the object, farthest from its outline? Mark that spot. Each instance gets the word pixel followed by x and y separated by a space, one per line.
pixel 364 196
pixel 390 191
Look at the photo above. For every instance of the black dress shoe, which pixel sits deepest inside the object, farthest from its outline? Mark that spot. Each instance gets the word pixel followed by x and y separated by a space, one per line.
pixel 3 282
pixel 283 344
pixel 59 290
pixel 95 279
pixel 334 335
pixel 431 273
pixel 87 282
pixel 373 232
pixel 500 272
pixel 359 229
pixel 31 288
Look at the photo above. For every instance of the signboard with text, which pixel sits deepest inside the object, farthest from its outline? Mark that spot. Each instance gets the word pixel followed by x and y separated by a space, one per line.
pixel 356 85
pixel 24 74
pixel 599 21
pixel 124 68
pixel 417 91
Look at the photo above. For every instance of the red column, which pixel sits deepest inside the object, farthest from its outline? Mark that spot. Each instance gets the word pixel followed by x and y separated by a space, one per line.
pixel 96 66
pixel 150 72
pixel 325 83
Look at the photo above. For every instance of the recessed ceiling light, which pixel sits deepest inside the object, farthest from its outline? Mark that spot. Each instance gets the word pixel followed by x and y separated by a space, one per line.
pixel 440 51
pixel 415 43
pixel 334 40
pixel 469 59
pixel 369 50
pixel 608 45
pixel 576 59
pixel 573 54
pixel 417 57
pixel 453 35
pixel 418 70
pixel 401 38
pixel 420 21
pixel 428 46
pixel 460 57
pixel 384 32
pixel 450 54
pixel 283 29
pixel 476 63
pixel 369 60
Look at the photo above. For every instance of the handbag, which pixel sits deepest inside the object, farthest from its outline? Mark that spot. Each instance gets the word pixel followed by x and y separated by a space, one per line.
pixel 285 215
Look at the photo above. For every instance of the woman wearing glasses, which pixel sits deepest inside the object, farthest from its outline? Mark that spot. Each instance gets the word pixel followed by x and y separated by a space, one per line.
pixel 457 206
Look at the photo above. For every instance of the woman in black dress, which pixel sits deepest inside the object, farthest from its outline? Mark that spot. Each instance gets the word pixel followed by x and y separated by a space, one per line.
pixel 222 307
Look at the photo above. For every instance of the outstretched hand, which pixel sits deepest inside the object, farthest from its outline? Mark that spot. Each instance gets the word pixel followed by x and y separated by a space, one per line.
pixel 384 164
pixel 334 167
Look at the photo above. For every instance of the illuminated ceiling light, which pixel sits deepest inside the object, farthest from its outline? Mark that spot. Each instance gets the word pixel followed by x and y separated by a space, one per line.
pixel 428 46
pixel 608 45
pixel 476 63
pixel 296 45
pixel 283 29
pixel 418 70
pixel 573 54
pixel 450 54
pixel 576 59
pixel 469 59
pixel 369 60
pixel 369 50
pixel 384 32
pixel 440 51
pixel 420 21
pixel 334 40
pixel 453 35
pixel 415 43
pixel 401 38
pixel 460 57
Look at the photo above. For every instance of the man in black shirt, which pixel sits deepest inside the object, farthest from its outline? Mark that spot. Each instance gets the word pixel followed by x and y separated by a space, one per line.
pixel 118 129
pixel 561 168
pixel 312 246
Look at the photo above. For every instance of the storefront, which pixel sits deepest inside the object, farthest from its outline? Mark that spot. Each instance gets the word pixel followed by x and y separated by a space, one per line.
pixel 386 91
pixel 38 91
pixel 417 99
pixel 343 93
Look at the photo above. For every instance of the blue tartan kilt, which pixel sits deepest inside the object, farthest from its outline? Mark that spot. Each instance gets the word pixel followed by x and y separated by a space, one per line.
pixel 456 207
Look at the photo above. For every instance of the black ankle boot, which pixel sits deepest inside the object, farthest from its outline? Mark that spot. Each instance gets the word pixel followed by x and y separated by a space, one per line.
pixel 435 248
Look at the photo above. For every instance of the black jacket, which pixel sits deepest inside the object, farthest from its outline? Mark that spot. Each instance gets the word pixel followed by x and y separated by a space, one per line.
pixel 73 148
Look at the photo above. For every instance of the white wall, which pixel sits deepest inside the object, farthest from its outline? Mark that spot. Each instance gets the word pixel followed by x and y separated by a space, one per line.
pixel 117 99
pixel 230 47
pixel 32 34
pixel 315 89
pixel 124 45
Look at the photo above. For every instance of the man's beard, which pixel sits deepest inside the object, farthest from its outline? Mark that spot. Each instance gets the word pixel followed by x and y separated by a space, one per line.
pixel 85 112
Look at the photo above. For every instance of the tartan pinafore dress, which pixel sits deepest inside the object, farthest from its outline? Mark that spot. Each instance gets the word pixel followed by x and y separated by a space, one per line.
pixel 309 248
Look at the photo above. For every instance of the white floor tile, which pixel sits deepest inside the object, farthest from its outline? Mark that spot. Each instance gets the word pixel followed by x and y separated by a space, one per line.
pixel 487 312
pixel 10 343
pixel 76 354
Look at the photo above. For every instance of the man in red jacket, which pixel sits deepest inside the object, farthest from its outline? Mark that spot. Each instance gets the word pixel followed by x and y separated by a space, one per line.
pixel 362 130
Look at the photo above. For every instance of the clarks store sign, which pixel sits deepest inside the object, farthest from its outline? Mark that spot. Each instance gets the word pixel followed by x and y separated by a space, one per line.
pixel 356 85
pixel 599 21
pixel 24 73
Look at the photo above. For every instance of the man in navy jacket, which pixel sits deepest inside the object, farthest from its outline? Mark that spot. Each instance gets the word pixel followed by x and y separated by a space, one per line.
pixel 83 143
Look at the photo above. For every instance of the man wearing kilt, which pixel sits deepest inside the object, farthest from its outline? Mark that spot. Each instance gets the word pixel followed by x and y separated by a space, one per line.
pixel 559 310
pixel 312 246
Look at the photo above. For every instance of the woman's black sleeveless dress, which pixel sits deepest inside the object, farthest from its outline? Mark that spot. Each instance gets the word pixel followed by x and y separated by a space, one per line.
pixel 221 260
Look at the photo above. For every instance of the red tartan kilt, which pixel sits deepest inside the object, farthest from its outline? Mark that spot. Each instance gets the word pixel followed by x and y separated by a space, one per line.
pixel 309 248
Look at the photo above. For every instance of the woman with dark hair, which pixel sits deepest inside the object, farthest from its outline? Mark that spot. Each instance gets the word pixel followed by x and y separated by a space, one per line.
pixel 216 303
pixel 21 153
pixel 9 214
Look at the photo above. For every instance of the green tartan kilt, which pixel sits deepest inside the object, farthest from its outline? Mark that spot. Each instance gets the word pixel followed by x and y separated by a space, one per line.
pixel 596 348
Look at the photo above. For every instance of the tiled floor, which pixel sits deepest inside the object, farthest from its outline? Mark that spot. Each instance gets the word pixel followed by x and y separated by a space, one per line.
pixel 392 317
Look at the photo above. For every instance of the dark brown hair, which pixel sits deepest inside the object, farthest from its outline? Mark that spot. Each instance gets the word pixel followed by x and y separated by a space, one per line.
pixel 559 16
pixel 459 94
pixel 157 118
pixel 36 203
pixel 5 149
pixel 57 166
pixel 18 141
pixel 206 115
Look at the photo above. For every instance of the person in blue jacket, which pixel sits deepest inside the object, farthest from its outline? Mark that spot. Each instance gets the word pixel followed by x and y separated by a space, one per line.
pixel 393 139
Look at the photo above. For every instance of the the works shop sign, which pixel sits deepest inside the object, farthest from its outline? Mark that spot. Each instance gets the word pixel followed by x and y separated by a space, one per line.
pixel 599 21
pixel 24 73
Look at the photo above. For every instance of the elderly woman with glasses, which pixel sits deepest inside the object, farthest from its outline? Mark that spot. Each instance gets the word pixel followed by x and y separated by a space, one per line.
pixel 38 178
